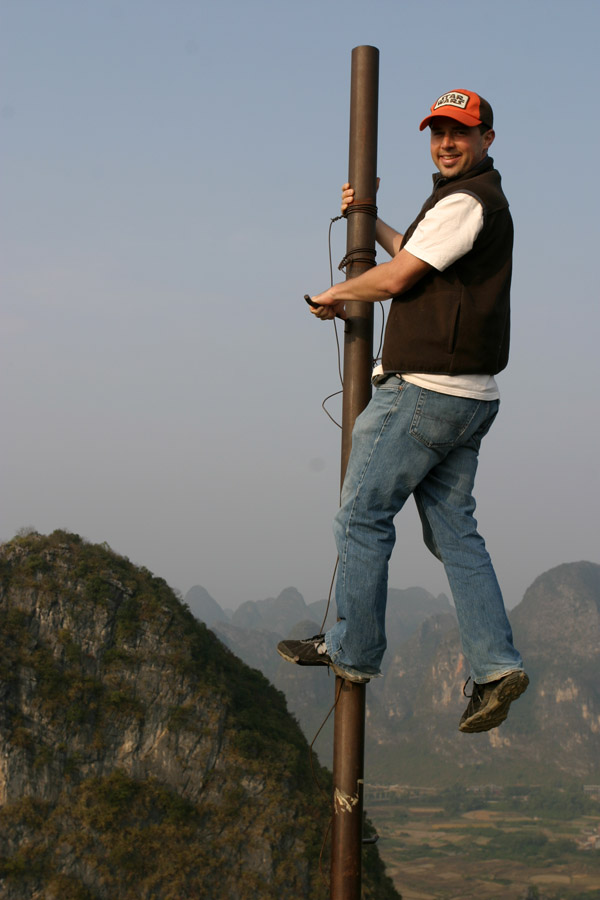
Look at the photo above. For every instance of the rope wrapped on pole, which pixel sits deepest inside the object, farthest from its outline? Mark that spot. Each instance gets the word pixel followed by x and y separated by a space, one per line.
pixel 364 255
pixel 369 208
pixel 359 255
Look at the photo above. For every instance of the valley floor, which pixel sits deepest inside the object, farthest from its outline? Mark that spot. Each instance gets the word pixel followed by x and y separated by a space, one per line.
pixel 486 854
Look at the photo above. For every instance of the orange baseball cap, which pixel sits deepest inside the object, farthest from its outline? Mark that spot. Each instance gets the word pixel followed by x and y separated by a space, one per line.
pixel 465 106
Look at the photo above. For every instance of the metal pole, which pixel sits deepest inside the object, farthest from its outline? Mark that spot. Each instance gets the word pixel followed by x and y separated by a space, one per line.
pixel 349 727
pixel 360 240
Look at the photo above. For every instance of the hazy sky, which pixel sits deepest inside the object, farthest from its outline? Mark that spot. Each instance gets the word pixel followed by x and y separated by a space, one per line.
pixel 169 170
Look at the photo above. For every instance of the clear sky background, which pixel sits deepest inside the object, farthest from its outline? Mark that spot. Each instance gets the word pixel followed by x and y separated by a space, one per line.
pixel 169 170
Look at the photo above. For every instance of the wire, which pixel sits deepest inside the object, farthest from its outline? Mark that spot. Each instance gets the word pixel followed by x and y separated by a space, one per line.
pixel 335 219
pixel 351 256
pixel 377 356
pixel 335 327
pixel 370 209
pixel 329 599
pixel 326 411
pixel 316 780
pixel 362 255
pixel 321 727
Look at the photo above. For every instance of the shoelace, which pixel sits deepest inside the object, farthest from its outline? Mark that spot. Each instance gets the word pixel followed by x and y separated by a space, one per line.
pixel 476 692
pixel 320 645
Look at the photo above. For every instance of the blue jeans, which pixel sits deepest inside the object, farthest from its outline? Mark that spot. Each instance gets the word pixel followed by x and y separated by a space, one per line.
pixel 407 441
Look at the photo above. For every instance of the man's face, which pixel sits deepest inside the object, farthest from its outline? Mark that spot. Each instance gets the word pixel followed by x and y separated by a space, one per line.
pixel 456 148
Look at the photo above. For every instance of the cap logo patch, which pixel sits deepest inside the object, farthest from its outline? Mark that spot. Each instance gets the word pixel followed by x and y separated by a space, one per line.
pixel 453 99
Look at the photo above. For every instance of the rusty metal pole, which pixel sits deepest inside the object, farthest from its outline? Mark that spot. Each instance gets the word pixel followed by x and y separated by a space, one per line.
pixel 349 727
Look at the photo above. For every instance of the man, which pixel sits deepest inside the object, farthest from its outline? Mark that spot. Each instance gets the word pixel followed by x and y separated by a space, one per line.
pixel 436 397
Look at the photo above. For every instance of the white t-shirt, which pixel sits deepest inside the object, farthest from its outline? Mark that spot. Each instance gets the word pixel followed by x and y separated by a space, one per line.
pixel 446 233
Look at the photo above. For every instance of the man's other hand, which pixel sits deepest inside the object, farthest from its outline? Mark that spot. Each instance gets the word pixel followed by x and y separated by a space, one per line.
pixel 348 196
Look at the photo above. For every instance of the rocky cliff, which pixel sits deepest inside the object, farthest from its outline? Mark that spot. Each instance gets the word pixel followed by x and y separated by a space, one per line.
pixel 552 733
pixel 139 758
pixel 256 628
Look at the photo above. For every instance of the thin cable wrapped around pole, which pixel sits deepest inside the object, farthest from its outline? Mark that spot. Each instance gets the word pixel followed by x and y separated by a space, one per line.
pixel 349 726
pixel 364 255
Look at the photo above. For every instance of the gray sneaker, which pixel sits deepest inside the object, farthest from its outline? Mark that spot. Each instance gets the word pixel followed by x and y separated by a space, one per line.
pixel 313 652
pixel 489 703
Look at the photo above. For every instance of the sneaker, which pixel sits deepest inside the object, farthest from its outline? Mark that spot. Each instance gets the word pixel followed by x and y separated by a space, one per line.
pixel 489 703
pixel 313 652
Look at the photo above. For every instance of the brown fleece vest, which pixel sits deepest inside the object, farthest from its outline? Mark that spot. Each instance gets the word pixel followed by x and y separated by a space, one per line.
pixel 457 322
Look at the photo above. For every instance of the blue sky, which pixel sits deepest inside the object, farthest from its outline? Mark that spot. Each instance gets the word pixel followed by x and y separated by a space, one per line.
pixel 169 170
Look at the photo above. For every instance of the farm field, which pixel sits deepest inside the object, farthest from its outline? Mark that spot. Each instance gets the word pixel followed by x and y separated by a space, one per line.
pixel 487 854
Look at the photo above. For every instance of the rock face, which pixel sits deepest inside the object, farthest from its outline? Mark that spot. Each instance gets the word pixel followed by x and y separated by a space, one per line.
pixel 139 757
pixel 558 627
pixel 553 731
pixel 257 627
pixel 204 607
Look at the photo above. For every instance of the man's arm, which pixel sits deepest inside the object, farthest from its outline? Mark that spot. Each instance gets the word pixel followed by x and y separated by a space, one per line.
pixel 387 237
pixel 379 283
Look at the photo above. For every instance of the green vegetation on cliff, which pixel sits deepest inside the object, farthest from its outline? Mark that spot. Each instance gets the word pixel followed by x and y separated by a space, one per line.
pixel 141 759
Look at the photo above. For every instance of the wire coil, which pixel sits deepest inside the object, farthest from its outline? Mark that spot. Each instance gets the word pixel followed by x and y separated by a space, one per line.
pixel 364 255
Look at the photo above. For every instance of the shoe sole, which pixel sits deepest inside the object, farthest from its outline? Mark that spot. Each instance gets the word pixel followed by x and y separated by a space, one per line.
pixel 496 710
pixel 355 679
pixel 294 658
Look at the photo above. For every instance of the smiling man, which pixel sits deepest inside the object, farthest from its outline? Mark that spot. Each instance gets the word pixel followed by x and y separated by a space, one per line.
pixel 436 397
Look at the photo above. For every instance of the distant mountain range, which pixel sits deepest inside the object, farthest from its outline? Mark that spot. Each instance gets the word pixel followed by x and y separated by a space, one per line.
pixel 552 733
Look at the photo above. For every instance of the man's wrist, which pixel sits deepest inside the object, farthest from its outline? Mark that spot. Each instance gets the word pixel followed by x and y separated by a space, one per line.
pixel 326 297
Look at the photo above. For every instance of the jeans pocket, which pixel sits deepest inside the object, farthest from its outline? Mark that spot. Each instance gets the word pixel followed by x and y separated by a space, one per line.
pixel 441 420
pixel 388 382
